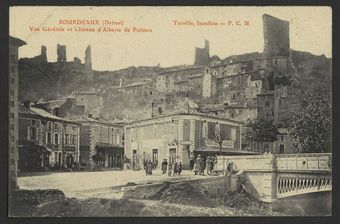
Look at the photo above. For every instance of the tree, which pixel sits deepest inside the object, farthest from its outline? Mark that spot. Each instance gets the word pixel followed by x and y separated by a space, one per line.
pixel 311 126
pixel 220 135
pixel 261 130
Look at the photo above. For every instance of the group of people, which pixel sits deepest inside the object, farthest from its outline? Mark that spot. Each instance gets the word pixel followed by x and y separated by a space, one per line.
pixel 199 165
pixel 173 168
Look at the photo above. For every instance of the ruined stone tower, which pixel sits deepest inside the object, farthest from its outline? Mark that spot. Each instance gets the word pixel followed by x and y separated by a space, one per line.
pixel 61 52
pixel 88 60
pixel 202 56
pixel 276 37
pixel 43 56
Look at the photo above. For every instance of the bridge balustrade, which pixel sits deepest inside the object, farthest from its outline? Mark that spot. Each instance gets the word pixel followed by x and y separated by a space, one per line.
pixel 282 175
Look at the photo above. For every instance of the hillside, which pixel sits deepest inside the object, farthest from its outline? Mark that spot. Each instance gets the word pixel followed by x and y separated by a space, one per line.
pixel 53 80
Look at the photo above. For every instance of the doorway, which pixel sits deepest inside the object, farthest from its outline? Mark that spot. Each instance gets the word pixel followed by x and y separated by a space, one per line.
pixel 172 155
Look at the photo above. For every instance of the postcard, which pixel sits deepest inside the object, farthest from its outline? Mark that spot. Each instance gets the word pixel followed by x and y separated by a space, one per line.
pixel 161 111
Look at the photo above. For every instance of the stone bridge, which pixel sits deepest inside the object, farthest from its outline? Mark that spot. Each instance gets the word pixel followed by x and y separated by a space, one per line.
pixel 283 175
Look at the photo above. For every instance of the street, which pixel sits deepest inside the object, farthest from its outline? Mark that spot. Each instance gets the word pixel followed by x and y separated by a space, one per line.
pixel 89 184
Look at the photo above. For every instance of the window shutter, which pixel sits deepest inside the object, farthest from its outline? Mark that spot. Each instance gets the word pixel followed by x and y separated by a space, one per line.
pixel 37 133
pixel 28 133
pixel 46 137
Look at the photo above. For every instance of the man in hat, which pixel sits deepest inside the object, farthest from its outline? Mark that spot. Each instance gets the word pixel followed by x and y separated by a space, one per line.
pixel 201 164
pixel 164 166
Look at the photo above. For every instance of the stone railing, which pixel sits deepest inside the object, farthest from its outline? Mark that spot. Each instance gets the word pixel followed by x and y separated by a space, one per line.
pixel 294 184
pixel 279 162
pixel 283 175
pixel 304 162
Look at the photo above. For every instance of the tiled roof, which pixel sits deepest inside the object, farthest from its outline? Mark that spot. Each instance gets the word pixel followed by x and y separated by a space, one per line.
pixel 44 113
pixel 25 110
pixel 41 114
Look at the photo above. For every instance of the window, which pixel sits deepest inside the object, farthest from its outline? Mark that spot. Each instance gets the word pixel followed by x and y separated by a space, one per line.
pixel 74 139
pixel 49 123
pixel 12 57
pixel 12 103
pixel 12 115
pixel 55 126
pixel 12 126
pixel 49 137
pixel 12 68
pixel 267 104
pixel 32 133
pixel 12 80
pixel 211 130
pixel 33 122
pixel 11 92
pixel 154 156
pixel 67 136
pixel 282 148
pixel 233 134
pixel 56 139
pixel 282 138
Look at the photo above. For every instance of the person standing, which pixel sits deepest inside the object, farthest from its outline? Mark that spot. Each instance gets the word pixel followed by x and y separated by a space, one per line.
pixel 170 168
pixel 192 163
pixel 164 166
pixel 179 168
pixel 149 167
pixel 202 166
pixel 196 167
pixel 208 165
pixel 175 168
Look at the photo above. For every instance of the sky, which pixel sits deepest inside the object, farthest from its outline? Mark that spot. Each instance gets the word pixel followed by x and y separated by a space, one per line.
pixel 167 44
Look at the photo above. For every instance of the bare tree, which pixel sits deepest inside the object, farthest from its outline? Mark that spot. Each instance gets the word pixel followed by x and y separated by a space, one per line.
pixel 219 136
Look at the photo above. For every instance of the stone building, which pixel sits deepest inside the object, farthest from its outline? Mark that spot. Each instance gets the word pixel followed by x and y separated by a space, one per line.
pixel 92 101
pixel 283 145
pixel 101 143
pixel 166 81
pixel 279 104
pixel 46 140
pixel 237 112
pixel 179 136
pixel 14 44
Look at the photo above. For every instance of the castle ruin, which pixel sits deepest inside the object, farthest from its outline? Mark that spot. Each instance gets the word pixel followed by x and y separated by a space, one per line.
pixel 276 37
pixel 61 52
pixel 88 60
pixel 202 56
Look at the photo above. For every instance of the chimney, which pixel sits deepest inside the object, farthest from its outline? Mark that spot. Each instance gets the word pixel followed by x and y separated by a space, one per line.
pixel 27 104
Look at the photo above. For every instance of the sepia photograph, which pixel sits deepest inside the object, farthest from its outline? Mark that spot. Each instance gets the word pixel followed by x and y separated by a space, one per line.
pixel 170 111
